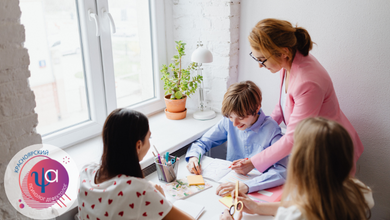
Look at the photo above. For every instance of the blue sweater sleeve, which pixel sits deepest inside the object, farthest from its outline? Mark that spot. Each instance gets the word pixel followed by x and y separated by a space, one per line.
pixel 216 136
pixel 277 173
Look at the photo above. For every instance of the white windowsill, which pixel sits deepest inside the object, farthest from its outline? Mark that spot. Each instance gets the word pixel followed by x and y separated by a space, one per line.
pixel 167 135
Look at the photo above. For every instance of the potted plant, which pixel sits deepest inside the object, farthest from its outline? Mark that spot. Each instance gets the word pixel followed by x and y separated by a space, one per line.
pixel 178 84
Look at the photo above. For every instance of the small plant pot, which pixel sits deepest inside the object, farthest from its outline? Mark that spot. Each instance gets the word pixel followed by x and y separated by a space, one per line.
pixel 176 115
pixel 175 106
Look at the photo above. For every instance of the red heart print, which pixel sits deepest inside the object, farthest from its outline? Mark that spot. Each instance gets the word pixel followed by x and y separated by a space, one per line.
pixel 115 183
pixel 120 193
pixel 119 175
pixel 106 214
pixel 144 214
pixel 132 205
pixel 128 182
pixel 138 194
pixel 144 193
pixel 86 169
pixel 120 213
pixel 97 218
pixel 79 190
pixel 86 193
pixel 79 208
pixel 84 181
pixel 161 213
pixel 100 199
pixel 162 201
pixel 94 171
pixel 87 216
pixel 147 203
pixel 93 206
pixel 109 201
pixel 83 204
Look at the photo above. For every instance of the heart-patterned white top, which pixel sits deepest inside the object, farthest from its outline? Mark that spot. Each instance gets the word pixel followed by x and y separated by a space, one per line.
pixel 122 197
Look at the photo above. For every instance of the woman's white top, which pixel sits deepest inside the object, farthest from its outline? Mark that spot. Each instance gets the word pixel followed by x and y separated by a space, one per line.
pixel 293 213
pixel 121 197
pixel 283 96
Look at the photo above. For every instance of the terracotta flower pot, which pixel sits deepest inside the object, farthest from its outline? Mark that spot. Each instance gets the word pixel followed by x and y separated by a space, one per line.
pixel 177 115
pixel 175 106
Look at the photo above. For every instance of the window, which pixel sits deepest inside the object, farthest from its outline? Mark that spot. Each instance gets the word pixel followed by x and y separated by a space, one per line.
pixel 88 58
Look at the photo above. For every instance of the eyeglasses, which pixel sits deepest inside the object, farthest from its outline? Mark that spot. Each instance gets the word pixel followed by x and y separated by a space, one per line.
pixel 259 61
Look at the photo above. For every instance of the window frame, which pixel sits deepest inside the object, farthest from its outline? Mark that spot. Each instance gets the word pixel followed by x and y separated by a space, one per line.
pixel 100 79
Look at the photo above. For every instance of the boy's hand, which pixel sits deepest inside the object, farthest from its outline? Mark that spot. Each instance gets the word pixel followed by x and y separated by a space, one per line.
pixel 242 167
pixel 226 188
pixel 193 166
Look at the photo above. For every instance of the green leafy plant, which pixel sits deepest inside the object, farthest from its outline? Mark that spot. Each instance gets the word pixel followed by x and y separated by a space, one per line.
pixel 179 84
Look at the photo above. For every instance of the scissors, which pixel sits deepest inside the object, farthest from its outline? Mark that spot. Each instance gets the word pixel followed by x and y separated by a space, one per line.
pixel 238 205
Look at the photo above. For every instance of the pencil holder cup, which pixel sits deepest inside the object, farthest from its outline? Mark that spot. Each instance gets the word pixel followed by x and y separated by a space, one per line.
pixel 166 172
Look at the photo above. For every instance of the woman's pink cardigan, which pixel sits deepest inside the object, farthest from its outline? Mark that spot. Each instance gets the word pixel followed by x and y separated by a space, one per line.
pixel 310 93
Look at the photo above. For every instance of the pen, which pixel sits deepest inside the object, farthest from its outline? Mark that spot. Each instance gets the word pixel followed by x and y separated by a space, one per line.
pixel 200 155
pixel 167 156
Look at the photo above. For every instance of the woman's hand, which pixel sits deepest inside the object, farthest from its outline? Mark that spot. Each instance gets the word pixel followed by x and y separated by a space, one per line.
pixel 225 188
pixel 242 166
pixel 193 166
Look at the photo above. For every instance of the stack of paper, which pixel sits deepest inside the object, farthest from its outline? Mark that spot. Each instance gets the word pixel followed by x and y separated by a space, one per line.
pixel 218 170
pixel 193 209
pixel 194 180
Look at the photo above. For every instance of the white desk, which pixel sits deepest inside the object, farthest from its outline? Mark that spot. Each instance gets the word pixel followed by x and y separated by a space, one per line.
pixel 207 198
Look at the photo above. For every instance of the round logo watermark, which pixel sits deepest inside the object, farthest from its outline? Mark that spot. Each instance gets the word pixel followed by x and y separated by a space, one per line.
pixel 41 181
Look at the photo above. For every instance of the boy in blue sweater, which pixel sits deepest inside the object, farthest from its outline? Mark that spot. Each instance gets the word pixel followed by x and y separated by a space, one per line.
pixel 247 131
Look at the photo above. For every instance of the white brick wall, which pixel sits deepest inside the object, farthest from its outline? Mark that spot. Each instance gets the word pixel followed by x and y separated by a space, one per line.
pixel 17 102
pixel 216 24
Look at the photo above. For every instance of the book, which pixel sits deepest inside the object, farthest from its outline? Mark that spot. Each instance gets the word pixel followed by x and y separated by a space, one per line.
pixel 193 209
pixel 268 195
pixel 195 180
pixel 180 188
pixel 218 170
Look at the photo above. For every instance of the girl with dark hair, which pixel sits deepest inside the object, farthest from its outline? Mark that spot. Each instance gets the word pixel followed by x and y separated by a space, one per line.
pixel 319 185
pixel 306 89
pixel 115 189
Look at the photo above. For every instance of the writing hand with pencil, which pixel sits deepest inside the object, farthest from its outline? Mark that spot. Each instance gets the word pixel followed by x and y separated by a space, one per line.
pixel 242 166
pixel 194 166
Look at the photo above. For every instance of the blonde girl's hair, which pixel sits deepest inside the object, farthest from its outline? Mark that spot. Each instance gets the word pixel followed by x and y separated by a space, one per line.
pixel 318 180
pixel 270 36
pixel 242 99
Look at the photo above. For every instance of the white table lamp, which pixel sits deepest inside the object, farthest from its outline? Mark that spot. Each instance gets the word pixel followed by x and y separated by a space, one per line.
pixel 202 55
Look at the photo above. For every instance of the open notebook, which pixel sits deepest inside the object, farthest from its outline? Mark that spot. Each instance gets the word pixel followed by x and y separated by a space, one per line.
pixel 193 209
pixel 218 171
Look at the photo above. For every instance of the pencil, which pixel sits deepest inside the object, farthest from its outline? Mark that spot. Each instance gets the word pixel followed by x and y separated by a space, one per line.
pixel 156 149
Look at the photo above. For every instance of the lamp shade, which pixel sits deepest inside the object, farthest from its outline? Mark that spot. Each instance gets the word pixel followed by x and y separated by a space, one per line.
pixel 202 55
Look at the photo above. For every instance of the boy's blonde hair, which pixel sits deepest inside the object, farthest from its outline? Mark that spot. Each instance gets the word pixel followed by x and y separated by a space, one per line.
pixel 318 180
pixel 242 99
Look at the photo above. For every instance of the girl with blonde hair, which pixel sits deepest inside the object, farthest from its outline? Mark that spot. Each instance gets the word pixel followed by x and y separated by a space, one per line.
pixel 318 185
